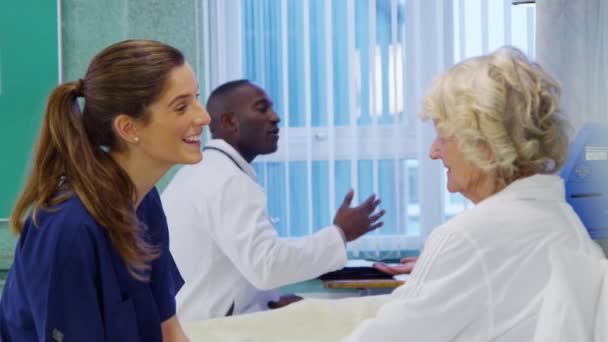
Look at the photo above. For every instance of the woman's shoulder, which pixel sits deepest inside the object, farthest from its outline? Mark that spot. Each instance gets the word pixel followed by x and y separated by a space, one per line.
pixel 59 234
pixel 151 213
pixel 150 202
pixel 62 221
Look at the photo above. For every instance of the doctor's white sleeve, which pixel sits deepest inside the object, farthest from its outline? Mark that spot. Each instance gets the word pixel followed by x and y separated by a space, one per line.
pixel 246 236
pixel 441 300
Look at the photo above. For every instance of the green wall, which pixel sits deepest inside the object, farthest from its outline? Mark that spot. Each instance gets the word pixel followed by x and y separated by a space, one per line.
pixel 28 72
pixel 90 25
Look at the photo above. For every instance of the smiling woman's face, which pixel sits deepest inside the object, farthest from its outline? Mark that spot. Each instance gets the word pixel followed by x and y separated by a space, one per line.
pixel 176 120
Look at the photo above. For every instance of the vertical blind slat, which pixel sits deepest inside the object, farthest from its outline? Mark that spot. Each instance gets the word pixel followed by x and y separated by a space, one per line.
pixel 307 110
pixel 485 39
pixel 507 22
pixel 285 111
pixel 329 57
pixel 352 98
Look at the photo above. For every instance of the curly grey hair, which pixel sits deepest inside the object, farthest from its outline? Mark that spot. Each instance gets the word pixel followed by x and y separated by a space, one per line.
pixel 504 103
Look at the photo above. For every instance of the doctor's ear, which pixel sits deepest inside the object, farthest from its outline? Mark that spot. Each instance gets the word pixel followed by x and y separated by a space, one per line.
pixel 126 128
pixel 229 122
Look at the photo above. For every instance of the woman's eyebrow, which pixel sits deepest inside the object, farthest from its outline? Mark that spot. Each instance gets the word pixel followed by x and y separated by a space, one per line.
pixel 179 97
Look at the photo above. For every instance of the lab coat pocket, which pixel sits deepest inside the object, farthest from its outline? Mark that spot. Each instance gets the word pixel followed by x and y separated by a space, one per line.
pixel 121 324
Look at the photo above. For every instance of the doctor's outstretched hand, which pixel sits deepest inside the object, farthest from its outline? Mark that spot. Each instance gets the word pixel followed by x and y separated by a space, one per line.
pixel 359 220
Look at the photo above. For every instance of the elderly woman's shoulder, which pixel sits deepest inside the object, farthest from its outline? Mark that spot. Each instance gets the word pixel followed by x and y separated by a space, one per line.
pixel 490 212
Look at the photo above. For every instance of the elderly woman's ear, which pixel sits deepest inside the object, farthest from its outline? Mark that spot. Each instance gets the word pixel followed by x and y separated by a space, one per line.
pixel 486 151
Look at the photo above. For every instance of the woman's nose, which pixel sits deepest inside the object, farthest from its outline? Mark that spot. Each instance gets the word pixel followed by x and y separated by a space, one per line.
pixel 435 151
pixel 203 119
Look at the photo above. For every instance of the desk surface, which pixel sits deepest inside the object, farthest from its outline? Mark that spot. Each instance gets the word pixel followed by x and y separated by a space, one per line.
pixel 363 283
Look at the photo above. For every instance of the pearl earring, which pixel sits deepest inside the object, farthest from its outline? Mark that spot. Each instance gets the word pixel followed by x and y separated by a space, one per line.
pixel 136 139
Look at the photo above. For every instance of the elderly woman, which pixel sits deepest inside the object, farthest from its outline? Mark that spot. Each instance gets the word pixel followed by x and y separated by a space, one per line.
pixel 482 274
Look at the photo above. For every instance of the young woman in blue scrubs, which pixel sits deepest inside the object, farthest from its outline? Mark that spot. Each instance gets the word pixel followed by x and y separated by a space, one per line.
pixel 92 262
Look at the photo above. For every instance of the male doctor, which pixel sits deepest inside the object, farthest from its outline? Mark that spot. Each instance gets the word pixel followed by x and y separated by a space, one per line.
pixel 222 240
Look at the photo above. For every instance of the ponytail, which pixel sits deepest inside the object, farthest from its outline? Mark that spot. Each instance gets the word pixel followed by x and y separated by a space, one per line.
pixel 48 168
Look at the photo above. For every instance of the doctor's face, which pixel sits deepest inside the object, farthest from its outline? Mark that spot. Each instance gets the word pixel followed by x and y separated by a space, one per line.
pixel 258 123
pixel 462 175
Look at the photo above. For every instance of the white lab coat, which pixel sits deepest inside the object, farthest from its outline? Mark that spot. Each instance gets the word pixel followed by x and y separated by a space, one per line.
pixel 481 275
pixel 575 300
pixel 224 244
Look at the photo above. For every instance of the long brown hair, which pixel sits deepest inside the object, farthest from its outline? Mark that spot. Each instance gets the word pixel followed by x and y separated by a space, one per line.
pixel 71 151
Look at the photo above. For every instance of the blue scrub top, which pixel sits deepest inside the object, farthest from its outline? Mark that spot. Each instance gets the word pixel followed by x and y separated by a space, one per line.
pixel 67 281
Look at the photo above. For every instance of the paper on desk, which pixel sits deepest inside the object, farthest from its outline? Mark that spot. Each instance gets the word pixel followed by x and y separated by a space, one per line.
pixel 402 277
pixel 368 263
pixel 363 263
pixel 359 263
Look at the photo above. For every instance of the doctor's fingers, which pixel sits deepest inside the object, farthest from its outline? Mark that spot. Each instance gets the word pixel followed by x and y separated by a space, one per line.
pixel 348 198
pixel 370 204
pixel 373 221
pixel 408 259
pixel 375 217
pixel 375 226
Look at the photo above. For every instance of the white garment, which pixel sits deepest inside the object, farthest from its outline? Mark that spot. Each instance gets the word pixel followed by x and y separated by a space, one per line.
pixel 309 320
pixel 575 301
pixel 481 275
pixel 224 244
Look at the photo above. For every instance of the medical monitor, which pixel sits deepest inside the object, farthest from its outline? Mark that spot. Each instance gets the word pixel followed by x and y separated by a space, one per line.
pixel 585 175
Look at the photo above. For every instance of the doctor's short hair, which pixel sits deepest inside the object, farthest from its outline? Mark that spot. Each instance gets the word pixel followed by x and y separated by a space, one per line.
pixel 219 101
pixel 504 103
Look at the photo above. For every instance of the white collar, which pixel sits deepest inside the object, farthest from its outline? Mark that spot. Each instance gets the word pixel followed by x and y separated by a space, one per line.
pixel 536 187
pixel 232 153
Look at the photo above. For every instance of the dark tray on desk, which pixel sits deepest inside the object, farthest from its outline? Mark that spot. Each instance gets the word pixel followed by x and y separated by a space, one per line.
pixel 355 273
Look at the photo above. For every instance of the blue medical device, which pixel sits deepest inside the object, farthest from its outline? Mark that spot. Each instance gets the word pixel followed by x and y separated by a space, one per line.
pixel 585 175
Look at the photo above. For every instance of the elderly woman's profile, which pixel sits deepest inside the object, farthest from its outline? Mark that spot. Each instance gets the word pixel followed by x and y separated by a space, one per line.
pixel 501 137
